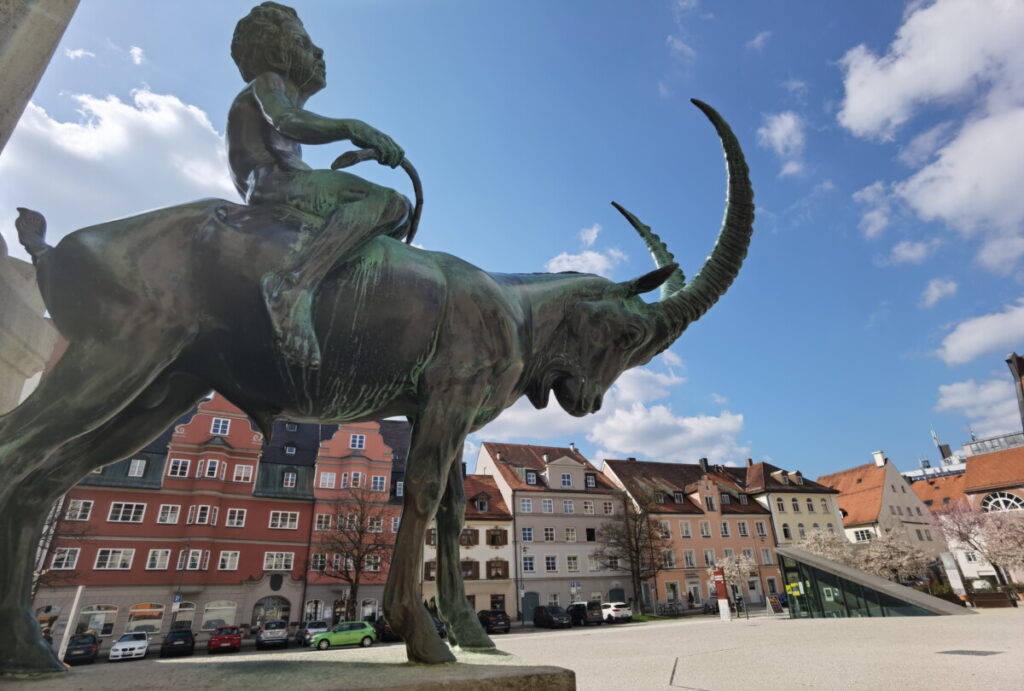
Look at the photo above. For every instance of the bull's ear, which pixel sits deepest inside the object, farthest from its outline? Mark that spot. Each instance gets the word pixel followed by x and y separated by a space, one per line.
pixel 649 281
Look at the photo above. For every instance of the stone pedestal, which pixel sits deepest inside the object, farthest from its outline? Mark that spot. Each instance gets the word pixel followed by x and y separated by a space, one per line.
pixel 380 667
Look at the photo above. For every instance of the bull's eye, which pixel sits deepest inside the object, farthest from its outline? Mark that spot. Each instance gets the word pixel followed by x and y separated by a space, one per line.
pixel 631 337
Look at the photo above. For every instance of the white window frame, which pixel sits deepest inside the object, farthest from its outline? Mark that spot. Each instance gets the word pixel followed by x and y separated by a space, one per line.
pixel 526 534
pixel 685 529
pixel 525 505
pixel 528 564
pixel 64 558
pixel 742 529
pixel 547 505
pixel 227 560
pixel 278 561
pixel 220 426
pixel 375 524
pixel 761 529
pixel 212 468
pixel 357 441
pixel 588 507
pixel 609 508
pixel 399 488
pixel 689 559
pixel 120 554
pixel 158 560
pixel 549 534
pixel 123 504
pixel 724 530
pixel 242 473
pixel 570 534
pixel 550 563
pixel 568 506
pixel 284 520
pixel 289 478
pixel 327 479
pixel 78 510
pixel 766 556
pixel 179 467
pixel 169 514
pixel 396 523
pixel 137 467
pixel 572 563
pixel 566 479
pixel 378 483
pixel 323 521
pixel 235 518
pixel 357 479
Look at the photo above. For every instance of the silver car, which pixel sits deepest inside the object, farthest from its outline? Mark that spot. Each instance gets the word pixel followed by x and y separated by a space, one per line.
pixel 271 633
pixel 130 646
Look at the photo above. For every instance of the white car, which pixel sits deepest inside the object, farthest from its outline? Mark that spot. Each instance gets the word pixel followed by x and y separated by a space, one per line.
pixel 130 646
pixel 616 611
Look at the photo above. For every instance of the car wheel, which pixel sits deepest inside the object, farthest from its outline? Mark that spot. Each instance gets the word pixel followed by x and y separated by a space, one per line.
pixel 366 642
pixel 323 644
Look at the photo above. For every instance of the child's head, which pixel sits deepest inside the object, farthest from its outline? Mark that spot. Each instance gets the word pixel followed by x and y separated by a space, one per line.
pixel 271 37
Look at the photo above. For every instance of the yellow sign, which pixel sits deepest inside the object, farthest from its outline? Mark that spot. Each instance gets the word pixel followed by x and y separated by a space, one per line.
pixel 795 588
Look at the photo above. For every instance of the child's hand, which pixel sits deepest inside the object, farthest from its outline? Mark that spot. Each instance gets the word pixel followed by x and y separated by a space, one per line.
pixel 388 153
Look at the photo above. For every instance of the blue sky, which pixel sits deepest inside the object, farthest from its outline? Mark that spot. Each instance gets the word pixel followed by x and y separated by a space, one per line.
pixel 883 286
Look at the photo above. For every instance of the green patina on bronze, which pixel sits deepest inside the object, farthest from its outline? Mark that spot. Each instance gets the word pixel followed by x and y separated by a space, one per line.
pixel 162 307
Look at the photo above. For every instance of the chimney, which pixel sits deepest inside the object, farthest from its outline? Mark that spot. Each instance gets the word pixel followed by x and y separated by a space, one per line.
pixel 545 457
pixel 925 464
pixel 498 456
pixel 879 457
pixel 572 446
pixel 750 462
pixel 703 463
pixel 631 459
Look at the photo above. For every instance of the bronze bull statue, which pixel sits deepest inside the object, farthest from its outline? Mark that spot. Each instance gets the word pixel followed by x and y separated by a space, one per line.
pixel 162 307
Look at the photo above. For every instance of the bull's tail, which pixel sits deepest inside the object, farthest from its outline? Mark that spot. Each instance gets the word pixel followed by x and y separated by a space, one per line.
pixel 31 227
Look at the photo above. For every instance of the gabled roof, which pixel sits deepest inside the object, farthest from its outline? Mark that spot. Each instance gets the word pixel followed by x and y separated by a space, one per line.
pixel 995 470
pixel 508 457
pixel 476 485
pixel 650 477
pixel 860 492
pixel 940 492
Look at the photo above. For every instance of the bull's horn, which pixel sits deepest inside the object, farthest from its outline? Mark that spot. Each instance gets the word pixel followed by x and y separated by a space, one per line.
pixel 659 251
pixel 693 300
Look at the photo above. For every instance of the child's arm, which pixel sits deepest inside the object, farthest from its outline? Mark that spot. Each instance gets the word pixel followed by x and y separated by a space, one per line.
pixel 306 127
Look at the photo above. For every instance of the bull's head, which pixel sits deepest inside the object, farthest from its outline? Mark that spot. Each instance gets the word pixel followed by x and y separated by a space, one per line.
pixel 613 329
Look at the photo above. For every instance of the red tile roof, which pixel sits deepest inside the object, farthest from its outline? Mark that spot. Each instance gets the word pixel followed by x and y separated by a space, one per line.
pixel 860 492
pixel 995 470
pixel 940 492
pixel 475 485
pixel 648 477
pixel 764 477
pixel 508 457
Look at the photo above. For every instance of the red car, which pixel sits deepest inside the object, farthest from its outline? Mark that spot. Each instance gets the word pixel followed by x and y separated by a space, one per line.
pixel 225 638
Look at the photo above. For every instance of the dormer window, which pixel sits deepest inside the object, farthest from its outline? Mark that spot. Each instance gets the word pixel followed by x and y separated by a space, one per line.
pixel 291 426
pixel 566 480
pixel 798 479
pixel 743 499
pixel 531 477
pixel 220 426
pixel 677 497
pixel 725 499
pixel 785 479
pixel 481 504
pixel 290 449
pixel 659 498
pixel 591 480
pixel 710 503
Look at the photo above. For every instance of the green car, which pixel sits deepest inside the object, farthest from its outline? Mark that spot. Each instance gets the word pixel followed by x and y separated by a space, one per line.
pixel 346 633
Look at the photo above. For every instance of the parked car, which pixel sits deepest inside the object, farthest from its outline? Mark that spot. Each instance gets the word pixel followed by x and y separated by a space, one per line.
pixel 346 633
pixel 83 647
pixel 494 620
pixel 551 616
pixel 583 613
pixel 225 638
pixel 130 646
pixel 307 629
pixel 181 642
pixel 272 632
pixel 616 611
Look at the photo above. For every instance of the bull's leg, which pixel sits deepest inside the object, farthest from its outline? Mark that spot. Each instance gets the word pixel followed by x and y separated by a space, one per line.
pixel 437 437
pixel 464 627
pixel 76 401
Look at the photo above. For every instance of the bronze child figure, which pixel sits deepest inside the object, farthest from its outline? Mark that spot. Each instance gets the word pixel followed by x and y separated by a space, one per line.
pixel 267 124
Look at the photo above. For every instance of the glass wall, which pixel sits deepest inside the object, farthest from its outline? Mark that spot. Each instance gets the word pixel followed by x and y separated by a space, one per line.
pixel 816 594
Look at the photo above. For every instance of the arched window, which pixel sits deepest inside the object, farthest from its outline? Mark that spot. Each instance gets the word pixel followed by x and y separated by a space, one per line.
pixel 219 613
pixel 796 505
pixel 781 503
pixel 785 531
pixel 182 619
pixel 816 527
pixel 314 610
pixel 810 505
pixel 147 616
pixel 800 530
pixel 830 528
pixel 47 616
pixel 1002 501
pixel 824 505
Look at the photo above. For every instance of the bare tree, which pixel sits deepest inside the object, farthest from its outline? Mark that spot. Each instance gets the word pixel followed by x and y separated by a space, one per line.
pixel 890 555
pixel 360 542
pixel 58 533
pixel 828 545
pixel 634 543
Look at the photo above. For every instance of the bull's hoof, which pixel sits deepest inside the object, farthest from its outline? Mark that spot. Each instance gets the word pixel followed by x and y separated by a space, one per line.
pixel 466 632
pixel 30 661
pixel 431 651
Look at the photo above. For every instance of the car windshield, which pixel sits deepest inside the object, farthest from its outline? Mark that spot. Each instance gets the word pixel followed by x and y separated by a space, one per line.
pixel 132 637
pixel 274 625
pixel 81 639
pixel 556 610
pixel 317 625
pixel 178 634
pixel 229 631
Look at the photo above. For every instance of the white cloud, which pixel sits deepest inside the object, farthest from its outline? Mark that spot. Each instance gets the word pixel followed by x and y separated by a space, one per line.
pixel 719 399
pixel 990 407
pixel 628 424
pixel 671 359
pixel 989 332
pixel 116 159
pixel 587 262
pixel 938 289
pixel 783 133
pixel 795 86
pixel 923 146
pixel 588 236
pixel 78 53
pixel 876 219
pixel 679 49
pixel 908 252
pixel 137 54
pixel 664 90
pixel 758 42
pixel 943 51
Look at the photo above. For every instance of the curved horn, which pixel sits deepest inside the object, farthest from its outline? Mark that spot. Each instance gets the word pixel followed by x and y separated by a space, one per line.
pixel 659 251
pixel 691 302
